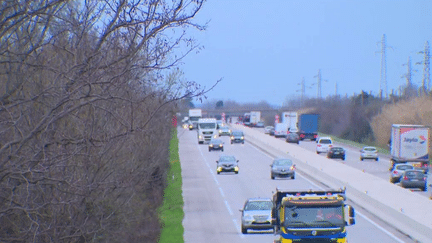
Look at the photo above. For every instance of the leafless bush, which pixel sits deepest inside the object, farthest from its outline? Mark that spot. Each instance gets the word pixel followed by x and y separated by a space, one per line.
pixel 416 111
pixel 85 116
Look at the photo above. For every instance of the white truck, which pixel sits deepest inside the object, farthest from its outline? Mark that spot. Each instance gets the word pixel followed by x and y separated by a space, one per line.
pixel 207 129
pixel 194 116
pixel 410 143
pixel 255 117
pixel 291 119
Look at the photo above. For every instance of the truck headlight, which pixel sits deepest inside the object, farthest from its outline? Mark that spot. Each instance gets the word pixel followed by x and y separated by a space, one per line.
pixel 236 168
pixel 220 145
pixel 232 138
pixel 242 137
pixel 200 137
pixel 214 136
pixel 210 145
pixel 219 169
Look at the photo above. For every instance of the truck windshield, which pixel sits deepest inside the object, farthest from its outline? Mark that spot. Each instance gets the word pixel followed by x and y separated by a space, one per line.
pixel 314 217
pixel 194 118
pixel 207 125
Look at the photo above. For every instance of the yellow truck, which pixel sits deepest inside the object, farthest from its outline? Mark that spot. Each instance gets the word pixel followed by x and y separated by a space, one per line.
pixel 311 216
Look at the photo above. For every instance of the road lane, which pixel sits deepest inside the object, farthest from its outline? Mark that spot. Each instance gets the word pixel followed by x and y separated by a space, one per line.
pixel 212 201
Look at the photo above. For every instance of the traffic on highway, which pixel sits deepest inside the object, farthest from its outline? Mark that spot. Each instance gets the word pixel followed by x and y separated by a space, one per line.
pixel 216 204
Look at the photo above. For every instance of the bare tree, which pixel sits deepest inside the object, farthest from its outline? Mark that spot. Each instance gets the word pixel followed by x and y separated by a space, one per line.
pixel 86 100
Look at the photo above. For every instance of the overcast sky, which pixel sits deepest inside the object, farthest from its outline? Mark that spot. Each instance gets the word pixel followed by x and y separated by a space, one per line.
pixel 263 48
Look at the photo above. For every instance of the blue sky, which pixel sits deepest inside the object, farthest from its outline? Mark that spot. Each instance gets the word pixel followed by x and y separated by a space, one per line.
pixel 263 48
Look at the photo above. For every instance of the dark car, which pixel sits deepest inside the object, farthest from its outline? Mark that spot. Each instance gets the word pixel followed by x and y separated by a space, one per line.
pixel 414 179
pixel 237 137
pixel 396 173
pixel 336 152
pixel 227 163
pixel 216 144
pixel 282 167
pixel 293 138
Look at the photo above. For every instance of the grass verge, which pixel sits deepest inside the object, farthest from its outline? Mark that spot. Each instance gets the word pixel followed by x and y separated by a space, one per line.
pixel 171 212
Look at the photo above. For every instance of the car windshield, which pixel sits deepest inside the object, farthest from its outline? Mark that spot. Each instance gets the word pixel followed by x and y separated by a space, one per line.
pixel 227 159
pixel 210 125
pixel 325 141
pixel 414 174
pixel 337 149
pixel 258 205
pixel 283 162
pixel 314 217
pixel 370 149
pixel 404 167
pixel 216 141
pixel 237 133
pixel 225 128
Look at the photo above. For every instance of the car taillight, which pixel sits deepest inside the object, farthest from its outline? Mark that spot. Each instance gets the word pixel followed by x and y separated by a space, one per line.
pixel 302 135
pixel 405 178
pixel 319 145
pixel 330 146
pixel 292 168
pixel 315 136
pixel 424 178
pixel 395 172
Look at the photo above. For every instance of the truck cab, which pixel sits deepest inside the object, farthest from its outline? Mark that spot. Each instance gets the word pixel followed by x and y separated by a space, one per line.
pixel 311 216
pixel 207 129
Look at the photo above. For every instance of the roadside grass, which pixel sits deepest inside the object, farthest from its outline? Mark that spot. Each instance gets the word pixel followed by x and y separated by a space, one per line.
pixel 171 212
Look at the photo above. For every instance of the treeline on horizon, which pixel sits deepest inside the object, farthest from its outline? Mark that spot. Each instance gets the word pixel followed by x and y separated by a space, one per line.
pixel 363 118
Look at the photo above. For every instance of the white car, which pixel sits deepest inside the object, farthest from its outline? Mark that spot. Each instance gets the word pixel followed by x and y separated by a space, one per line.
pixel 369 153
pixel 324 144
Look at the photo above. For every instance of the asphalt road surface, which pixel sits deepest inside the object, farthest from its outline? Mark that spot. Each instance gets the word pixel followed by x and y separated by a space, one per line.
pixel 378 168
pixel 212 202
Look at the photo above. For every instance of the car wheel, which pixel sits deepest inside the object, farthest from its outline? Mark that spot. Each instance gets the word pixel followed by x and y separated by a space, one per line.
pixel 392 181
pixel 209 150
pixel 243 142
pixel 222 150
pixel 236 172
pixel 244 230
pixel 343 158
pixel 231 142
pixel 424 188
pixel 272 177
pixel 317 152
pixel 361 159
pixel 298 142
pixel 293 177
pixel 376 159
pixel 218 172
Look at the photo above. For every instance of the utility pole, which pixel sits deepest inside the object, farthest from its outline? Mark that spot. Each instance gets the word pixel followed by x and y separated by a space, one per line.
pixel 383 75
pixel 426 69
pixel 318 76
pixel 336 89
pixel 303 91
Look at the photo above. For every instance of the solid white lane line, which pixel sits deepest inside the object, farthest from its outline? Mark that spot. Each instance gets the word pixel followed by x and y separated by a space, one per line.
pixel 221 192
pixel 228 207
pixel 361 215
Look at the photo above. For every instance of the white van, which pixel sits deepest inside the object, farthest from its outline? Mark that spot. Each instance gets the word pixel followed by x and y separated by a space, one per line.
pixel 324 144
pixel 281 130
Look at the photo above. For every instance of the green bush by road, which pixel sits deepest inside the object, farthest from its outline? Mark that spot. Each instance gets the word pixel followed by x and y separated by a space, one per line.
pixel 171 212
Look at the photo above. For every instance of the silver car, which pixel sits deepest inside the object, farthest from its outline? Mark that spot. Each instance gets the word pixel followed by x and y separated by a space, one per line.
pixel 256 214
pixel 282 167
pixel 398 170
pixel 369 153
pixel 414 179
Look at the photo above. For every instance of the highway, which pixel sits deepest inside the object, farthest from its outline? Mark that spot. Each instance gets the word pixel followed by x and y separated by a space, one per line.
pixel 212 202
pixel 377 168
